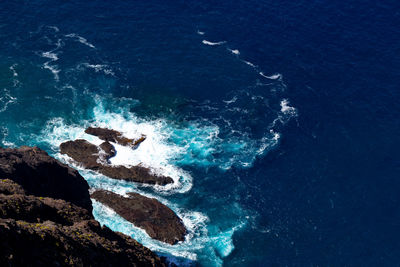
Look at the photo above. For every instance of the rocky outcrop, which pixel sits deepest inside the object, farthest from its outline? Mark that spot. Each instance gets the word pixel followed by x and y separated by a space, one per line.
pixel 41 175
pixel 96 158
pixel 114 136
pixel 159 221
pixel 46 218
pixel 42 231
pixel 107 151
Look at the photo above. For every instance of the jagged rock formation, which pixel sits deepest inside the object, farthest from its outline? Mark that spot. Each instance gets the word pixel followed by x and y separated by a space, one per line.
pixel 41 175
pixel 159 221
pixel 96 158
pixel 46 220
pixel 114 136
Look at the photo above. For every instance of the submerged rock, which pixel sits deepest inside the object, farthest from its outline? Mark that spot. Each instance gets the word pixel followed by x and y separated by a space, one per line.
pixel 46 219
pixel 114 136
pixel 89 155
pixel 159 221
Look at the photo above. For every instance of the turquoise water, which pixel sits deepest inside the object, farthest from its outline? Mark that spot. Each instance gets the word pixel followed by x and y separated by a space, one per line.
pixel 278 121
pixel 196 142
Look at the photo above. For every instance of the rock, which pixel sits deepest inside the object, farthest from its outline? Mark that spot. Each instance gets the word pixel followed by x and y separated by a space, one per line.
pixel 114 136
pixel 42 231
pixel 43 176
pixel 82 152
pixel 90 156
pixel 159 221
pixel 107 151
pixel 136 174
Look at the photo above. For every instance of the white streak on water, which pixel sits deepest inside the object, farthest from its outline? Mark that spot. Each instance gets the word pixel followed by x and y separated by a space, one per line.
pixel 80 39
pixel 276 76
pixel 234 51
pixel 100 68
pixel 53 58
pixel 213 43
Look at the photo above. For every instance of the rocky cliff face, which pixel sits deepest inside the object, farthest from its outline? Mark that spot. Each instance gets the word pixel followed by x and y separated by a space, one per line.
pixel 41 175
pixel 46 219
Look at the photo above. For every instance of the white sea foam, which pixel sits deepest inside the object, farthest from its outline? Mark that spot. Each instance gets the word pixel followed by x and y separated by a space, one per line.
pixel 286 109
pixel 233 100
pixel 4 131
pixel 16 82
pixel 213 43
pixel 53 68
pixel 234 51
pixel 200 33
pixel 12 68
pixel 276 76
pixel 155 152
pixel 50 55
pixel 100 68
pixel 55 28
pixel 6 99
pixel 250 64
pixel 53 56
pixel 80 39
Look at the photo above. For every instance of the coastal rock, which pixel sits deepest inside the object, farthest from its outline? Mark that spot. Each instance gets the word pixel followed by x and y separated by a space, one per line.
pixel 136 174
pixel 107 151
pixel 42 231
pixel 43 176
pixel 46 217
pixel 114 136
pixel 159 221
pixel 82 152
pixel 89 155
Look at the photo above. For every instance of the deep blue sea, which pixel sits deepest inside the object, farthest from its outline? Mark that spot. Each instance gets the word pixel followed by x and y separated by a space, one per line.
pixel 277 120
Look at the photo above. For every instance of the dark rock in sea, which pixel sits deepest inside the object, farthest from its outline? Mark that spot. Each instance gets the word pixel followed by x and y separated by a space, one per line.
pixel 114 136
pixel 82 152
pixel 41 225
pixel 89 155
pixel 43 176
pixel 159 221
pixel 136 174
pixel 107 151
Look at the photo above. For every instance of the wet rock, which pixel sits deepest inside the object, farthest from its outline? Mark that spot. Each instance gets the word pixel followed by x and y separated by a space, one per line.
pixel 43 176
pixel 159 221
pixel 89 155
pixel 82 152
pixel 136 174
pixel 114 136
pixel 107 151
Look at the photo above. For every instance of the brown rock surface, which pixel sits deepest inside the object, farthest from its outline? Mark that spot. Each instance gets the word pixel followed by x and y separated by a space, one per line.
pixel 36 230
pixel 159 221
pixel 89 156
pixel 113 136
pixel 107 151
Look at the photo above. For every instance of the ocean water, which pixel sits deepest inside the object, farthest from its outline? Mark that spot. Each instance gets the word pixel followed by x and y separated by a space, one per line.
pixel 277 120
